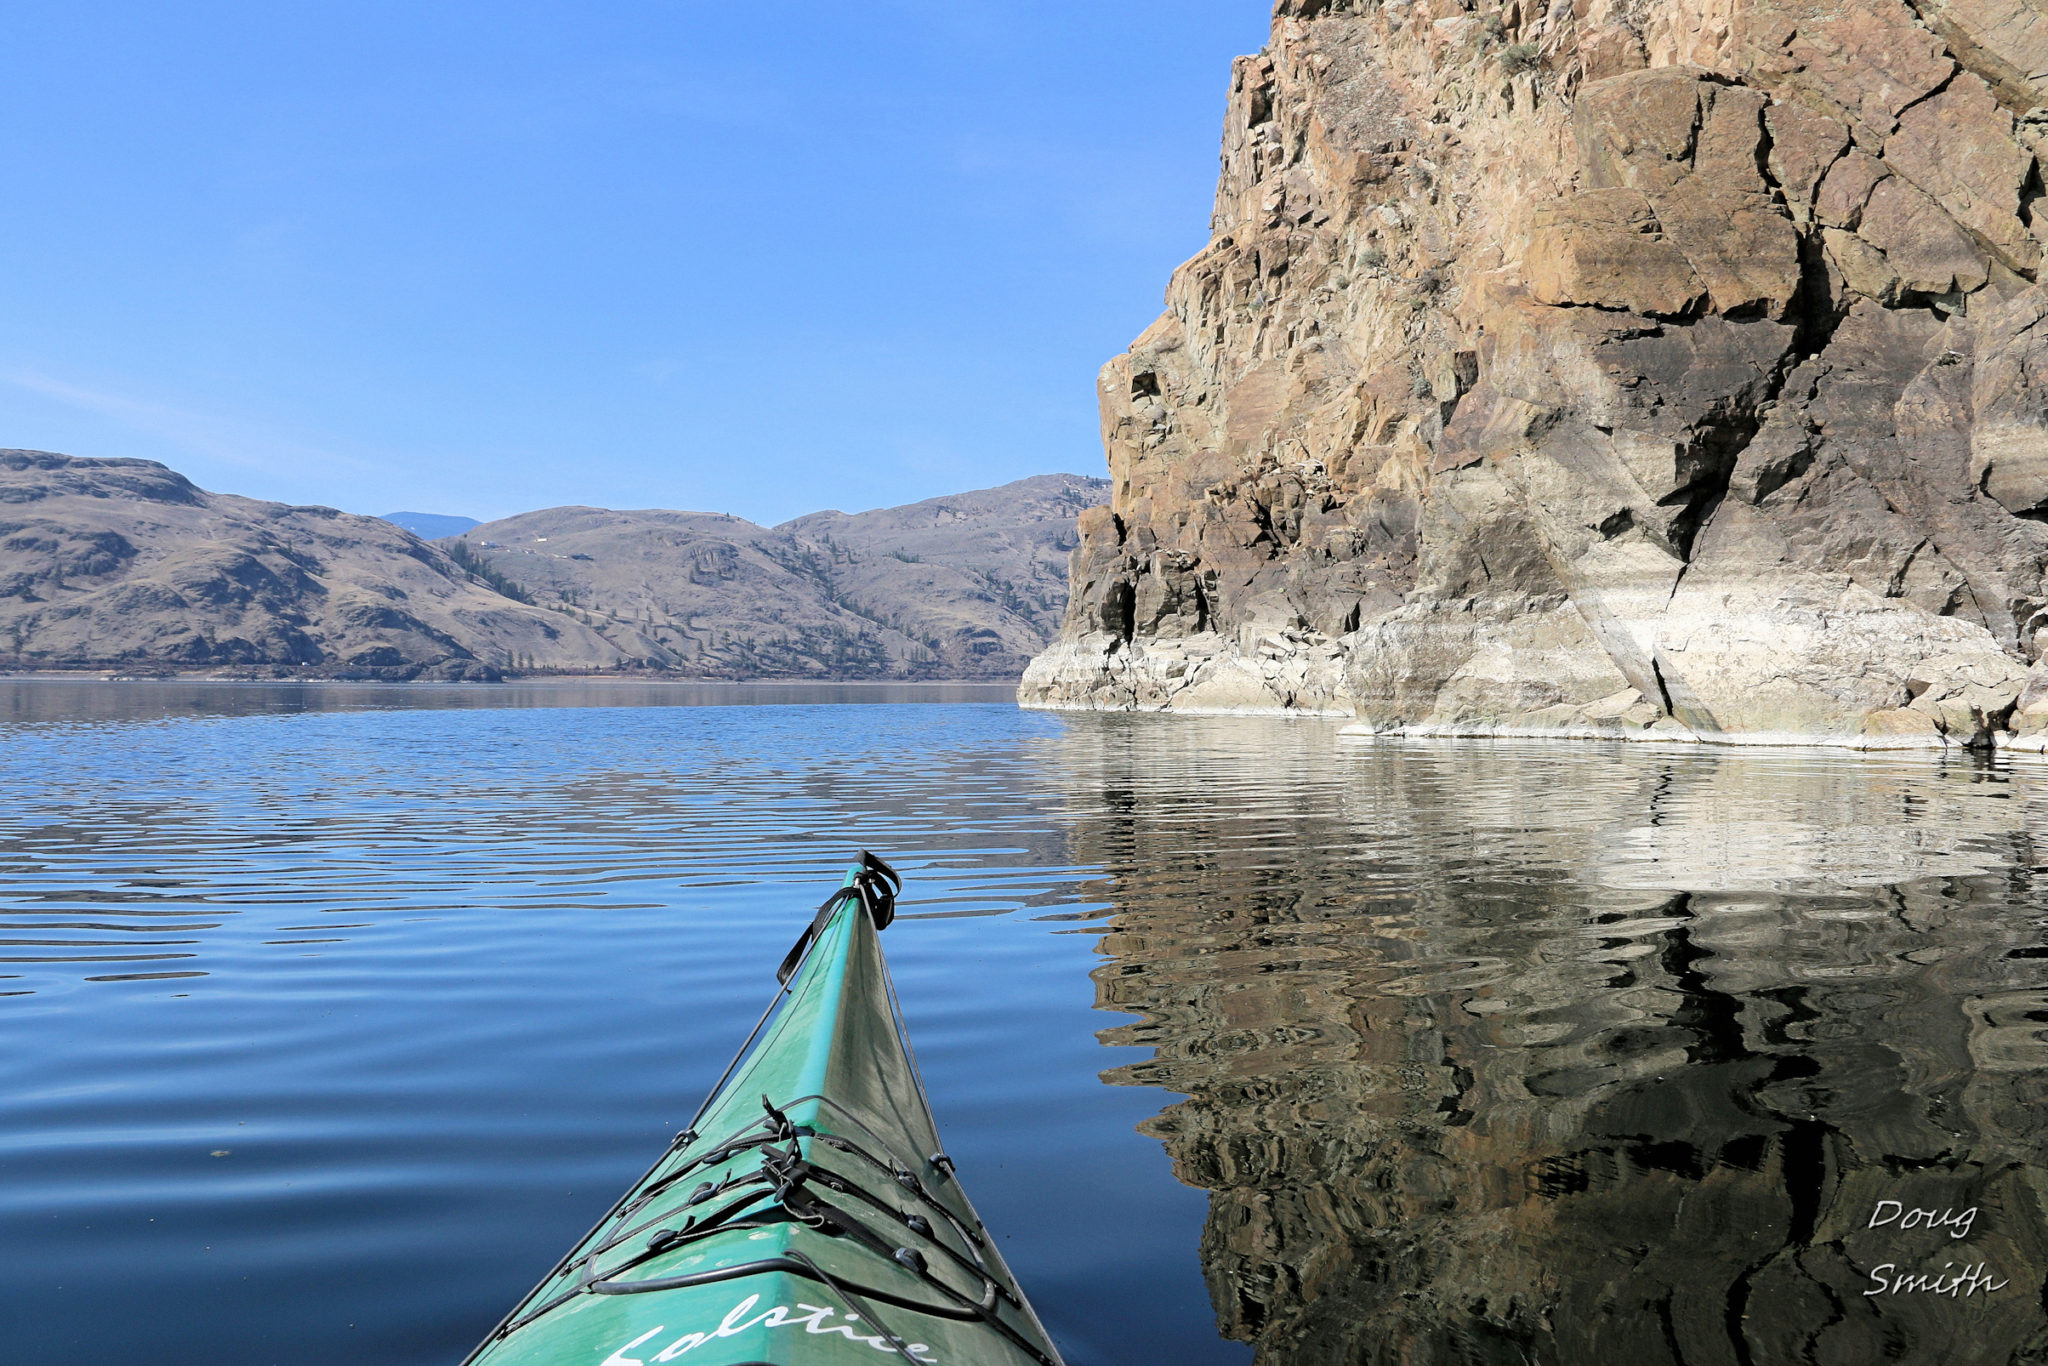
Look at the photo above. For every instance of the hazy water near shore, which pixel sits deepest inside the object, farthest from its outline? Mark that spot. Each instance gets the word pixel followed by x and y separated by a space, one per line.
pixel 1441 1051
pixel 52 697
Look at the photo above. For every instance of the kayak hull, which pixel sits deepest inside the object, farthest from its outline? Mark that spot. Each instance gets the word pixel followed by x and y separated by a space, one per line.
pixel 807 1218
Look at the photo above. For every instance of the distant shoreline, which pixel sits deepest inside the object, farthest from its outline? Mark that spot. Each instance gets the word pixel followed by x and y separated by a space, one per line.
pixel 112 675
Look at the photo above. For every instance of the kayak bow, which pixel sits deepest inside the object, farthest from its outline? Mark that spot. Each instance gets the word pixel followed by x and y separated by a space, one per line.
pixel 807 1216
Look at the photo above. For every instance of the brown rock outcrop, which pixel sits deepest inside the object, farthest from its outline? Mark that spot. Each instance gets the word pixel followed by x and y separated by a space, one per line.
pixel 1600 367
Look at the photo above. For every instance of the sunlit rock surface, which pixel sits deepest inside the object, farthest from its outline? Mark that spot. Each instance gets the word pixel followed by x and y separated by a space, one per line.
pixel 1665 368
pixel 1500 1054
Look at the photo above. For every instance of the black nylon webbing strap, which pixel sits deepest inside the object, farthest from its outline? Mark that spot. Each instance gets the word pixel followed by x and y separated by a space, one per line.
pixel 876 886
pixel 796 953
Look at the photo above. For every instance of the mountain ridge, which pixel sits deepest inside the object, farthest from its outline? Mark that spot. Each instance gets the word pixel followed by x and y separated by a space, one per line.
pixel 963 585
pixel 127 565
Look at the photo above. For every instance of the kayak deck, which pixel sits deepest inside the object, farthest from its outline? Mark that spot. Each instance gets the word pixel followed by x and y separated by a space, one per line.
pixel 807 1216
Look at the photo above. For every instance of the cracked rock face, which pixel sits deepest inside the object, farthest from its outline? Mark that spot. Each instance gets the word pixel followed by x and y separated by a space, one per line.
pixel 1668 368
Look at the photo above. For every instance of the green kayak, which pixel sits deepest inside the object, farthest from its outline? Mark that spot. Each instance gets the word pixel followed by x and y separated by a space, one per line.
pixel 807 1216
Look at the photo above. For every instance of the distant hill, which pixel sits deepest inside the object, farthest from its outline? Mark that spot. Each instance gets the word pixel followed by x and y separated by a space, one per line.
pixel 968 586
pixel 431 526
pixel 123 563
pixel 1006 545
pixel 126 564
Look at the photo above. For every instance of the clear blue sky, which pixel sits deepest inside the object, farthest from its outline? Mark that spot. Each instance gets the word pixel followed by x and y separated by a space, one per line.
pixel 486 257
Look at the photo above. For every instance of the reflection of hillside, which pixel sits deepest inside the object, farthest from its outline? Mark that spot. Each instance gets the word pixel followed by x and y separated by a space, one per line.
pixel 1579 1055
pixel 49 699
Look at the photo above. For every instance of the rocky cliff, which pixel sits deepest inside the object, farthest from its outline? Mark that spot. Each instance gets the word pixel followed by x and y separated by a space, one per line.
pixel 1651 367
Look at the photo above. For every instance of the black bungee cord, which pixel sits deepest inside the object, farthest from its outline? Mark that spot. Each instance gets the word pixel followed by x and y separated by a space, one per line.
pixel 788 1174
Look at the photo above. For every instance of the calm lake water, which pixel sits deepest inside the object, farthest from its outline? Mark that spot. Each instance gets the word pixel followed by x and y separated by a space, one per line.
pixel 330 1016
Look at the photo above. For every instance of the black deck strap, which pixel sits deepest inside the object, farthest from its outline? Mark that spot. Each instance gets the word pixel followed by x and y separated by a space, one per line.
pixel 984 1311
pixel 867 1311
pixel 952 1312
pixel 875 865
pixel 651 1186
pixel 694 1225
pixel 879 887
pixel 894 1167
pixel 961 1310
pixel 918 1224
pixel 788 1173
pixel 795 957
pixel 885 1248
pixel 875 886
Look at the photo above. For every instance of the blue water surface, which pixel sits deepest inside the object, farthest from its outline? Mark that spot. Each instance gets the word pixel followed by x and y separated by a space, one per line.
pixel 331 1016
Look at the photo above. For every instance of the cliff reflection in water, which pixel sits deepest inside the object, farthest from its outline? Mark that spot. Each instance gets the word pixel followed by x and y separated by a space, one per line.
pixel 1584 1055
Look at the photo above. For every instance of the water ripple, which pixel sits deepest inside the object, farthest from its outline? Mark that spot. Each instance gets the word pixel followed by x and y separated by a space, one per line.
pixel 1465 1051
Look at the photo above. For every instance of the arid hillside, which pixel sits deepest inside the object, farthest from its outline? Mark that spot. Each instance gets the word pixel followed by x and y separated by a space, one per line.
pixel 126 565
pixel 967 586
